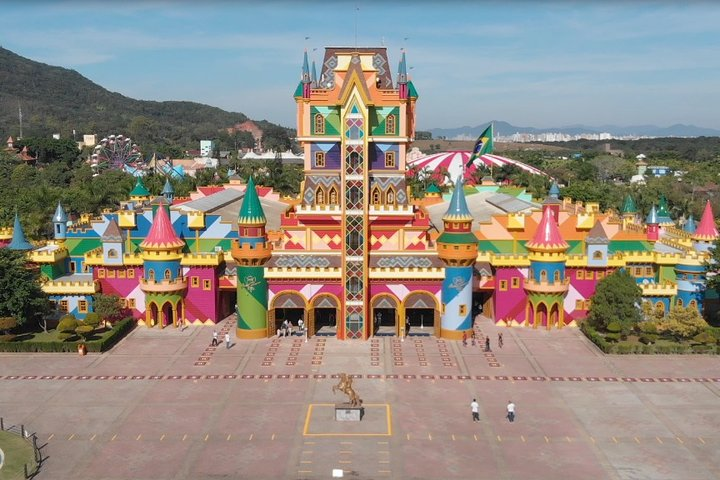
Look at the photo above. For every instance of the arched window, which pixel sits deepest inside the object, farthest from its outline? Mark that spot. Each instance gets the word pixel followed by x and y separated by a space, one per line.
pixel 679 302
pixel 597 255
pixel 354 285
pixel 556 276
pixel 390 196
pixel 543 275
pixel 333 200
pixel 390 125
pixel 112 253
pixel 375 195
pixel 660 307
pixel 168 275
pixel 692 304
pixel 320 196
pixel 151 275
pixel 319 124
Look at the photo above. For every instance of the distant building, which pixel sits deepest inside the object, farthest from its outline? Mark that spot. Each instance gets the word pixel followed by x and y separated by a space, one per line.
pixel 207 147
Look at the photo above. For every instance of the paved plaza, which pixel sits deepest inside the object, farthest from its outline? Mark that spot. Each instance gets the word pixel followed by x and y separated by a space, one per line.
pixel 165 405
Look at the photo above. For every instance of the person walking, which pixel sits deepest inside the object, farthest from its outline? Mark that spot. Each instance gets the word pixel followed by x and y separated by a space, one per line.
pixel 487 344
pixel 464 339
pixel 227 340
pixel 475 408
pixel 511 411
pixel 215 339
pixel 500 339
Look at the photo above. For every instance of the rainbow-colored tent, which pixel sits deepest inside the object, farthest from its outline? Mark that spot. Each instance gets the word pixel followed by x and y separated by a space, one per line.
pixel 453 162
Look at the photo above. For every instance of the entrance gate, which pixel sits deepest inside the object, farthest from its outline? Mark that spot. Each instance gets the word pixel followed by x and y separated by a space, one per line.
pixel 323 315
pixel 422 316
pixel 285 306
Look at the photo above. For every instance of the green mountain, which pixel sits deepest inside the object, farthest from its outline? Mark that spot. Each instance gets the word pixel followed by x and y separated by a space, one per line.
pixel 59 100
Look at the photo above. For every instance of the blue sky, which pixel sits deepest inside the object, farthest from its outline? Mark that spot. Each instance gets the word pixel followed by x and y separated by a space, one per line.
pixel 535 63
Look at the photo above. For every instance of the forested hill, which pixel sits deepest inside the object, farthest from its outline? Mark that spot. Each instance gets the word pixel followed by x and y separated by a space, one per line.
pixel 58 100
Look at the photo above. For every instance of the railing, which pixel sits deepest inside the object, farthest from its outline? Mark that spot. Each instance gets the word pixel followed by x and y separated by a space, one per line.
pixel 30 470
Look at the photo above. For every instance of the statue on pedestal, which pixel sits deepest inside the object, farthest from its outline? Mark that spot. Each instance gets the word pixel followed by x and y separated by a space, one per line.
pixel 345 386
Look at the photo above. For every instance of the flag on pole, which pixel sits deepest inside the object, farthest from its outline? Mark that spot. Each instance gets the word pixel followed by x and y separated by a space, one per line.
pixel 483 145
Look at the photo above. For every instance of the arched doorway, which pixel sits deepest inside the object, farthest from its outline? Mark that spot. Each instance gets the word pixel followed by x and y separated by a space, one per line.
pixel 285 306
pixel 422 316
pixel 323 316
pixel 541 316
pixel 152 315
pixel 167 315
pixel 554 320
pixel 385 315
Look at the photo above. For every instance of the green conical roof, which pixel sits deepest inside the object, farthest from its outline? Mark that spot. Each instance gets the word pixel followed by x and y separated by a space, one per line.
pixel 433 188
pixel 629 205
pixel 139 190
pixel 251 212
pixel 412 92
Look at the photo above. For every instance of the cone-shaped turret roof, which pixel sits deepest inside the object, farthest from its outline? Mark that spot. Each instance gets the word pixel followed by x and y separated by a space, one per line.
pixel 139 190
pixel 305 69
pixel 690 226
pixel 112 233
pixel 19 242
pixel 60 215
pixel 162 235
pixel 652 218
pixel 597 235
pixel 458 210
pixel 168 188
pixel 433 189
pixel 402 69
pixel 554 191
pixel 547 236
pixel 706 230
pixel 313 78
pixel 251 211
pixel 629 205
pixel 663 212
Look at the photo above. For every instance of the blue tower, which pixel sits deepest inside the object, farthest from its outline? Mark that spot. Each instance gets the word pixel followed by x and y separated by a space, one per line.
pixel 60 223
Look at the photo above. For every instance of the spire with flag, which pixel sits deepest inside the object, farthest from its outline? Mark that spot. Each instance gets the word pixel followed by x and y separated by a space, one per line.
pixel 483 145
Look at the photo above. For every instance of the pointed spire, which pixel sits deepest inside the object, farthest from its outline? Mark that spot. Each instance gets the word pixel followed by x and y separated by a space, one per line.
pixel 112 233
pixel 313 78
pixel 547 236
pixel 458 210
pixel 305 69
pixel 162 235
pixel 402 70
pixel 663 212
pixel 19 242
pixel 652 218
pixel 629 205
pixel 690 226
pixel 707 230
pixel 251 211
pixel 140 190
pixel 60 215
pixel 168 191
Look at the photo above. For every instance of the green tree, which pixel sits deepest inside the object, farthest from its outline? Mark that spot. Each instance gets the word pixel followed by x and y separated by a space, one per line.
pixel 7 324
pixel 616 299
pixel 109 307
pixel 682 322
pixel 20 294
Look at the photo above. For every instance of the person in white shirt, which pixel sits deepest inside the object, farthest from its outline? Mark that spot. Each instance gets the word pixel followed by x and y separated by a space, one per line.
pixel 227 340
pixel 511 411
pixel 475 408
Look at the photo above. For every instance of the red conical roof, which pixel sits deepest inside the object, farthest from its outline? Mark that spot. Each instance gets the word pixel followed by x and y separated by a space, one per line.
pixel 707 229
pixel 547 237
pixel 162 235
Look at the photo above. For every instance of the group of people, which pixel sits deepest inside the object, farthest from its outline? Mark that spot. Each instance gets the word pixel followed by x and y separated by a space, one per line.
pixel 216 341
pixel 487 340
pixel 286 328
pixel 475 409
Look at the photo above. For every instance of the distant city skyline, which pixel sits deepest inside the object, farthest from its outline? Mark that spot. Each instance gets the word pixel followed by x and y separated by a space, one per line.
pixel 541 64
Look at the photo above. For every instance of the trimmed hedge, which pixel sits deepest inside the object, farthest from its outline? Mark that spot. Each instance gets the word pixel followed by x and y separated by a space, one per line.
pixel 118 331
pixel 665 347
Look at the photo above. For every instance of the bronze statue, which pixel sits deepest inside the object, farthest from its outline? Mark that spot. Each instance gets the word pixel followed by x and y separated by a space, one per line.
pixel 345 386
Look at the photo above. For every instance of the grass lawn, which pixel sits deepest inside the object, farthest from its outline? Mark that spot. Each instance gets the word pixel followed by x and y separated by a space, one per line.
pixel 51 336
pixel 16 452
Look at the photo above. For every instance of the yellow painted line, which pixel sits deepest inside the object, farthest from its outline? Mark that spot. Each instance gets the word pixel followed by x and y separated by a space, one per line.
pixel 703 441
pixel 384 471
pixel 251 435
pixel 658 439
pixel 184 437
pixel 138 437
pixel 207 436
pixel 93 437
pixel 71 436
pixel 273 437
pixel 307 419
pixel 680 440
pixel 50 437
pixel 637 441
pixel 162 437
pixel 453 437
pixel 389 419
pixel 614 439
pixel 547 440
pixel 114 437
pixel 475 437
pixel 228 437
pixel 522 437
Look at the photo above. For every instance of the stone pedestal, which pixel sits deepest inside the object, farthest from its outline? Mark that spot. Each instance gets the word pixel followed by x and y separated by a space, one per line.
pixel 348 413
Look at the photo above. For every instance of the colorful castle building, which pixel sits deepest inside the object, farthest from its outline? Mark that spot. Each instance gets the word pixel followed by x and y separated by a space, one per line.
pixel 355 256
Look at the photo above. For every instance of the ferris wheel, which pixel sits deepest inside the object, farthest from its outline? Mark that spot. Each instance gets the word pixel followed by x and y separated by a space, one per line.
pixel 116 152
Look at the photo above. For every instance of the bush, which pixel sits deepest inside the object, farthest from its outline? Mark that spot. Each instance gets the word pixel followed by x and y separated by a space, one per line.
pixel 703 349
pixel 614 327
pixel 705 338
pixel 646 327
pixel 612 337
pixel 93 319
pixel 647 338
pixel 67 324
pixel 65 336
